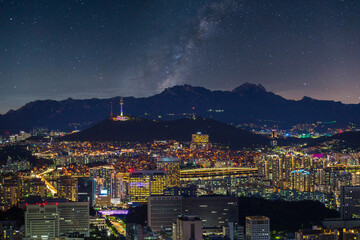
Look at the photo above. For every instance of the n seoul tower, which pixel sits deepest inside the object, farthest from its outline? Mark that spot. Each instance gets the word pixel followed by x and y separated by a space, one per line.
pixel 121 107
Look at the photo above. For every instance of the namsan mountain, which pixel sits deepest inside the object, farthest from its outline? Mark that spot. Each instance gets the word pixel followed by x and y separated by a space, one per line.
pixel 146 130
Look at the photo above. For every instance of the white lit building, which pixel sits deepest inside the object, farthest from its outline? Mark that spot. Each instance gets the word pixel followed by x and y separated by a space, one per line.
pixel 257 228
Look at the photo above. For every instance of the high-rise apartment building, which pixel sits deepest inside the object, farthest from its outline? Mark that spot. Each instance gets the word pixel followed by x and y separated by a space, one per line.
pixel 32 187
pixel 68 188
pixel 277 169
pixel 289 163
pixel 307 162
pixel 257 228
pixel 263 168
pixel 302 180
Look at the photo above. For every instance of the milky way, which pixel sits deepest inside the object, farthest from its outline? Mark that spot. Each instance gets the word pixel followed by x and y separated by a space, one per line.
pixel 85 49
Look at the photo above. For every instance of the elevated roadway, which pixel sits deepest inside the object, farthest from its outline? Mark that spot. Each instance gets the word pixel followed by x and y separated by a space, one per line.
pixel 216 172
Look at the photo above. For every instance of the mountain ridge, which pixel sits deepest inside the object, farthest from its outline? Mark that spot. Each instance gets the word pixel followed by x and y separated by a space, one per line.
pixel 246 103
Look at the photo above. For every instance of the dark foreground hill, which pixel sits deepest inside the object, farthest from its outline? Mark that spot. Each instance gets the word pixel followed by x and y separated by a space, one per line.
pixel 145 130
pixel 284 216
pixel 246 103
pixel 343 140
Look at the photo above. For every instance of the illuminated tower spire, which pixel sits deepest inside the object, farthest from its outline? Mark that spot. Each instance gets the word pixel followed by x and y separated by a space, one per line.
pixel 121 107
pixel 111 113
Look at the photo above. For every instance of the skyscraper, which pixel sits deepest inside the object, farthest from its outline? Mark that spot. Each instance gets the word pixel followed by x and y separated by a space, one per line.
pixel 102 180
pixel 257 228
pixel 143 184
pixel 172 168
pixel 86 190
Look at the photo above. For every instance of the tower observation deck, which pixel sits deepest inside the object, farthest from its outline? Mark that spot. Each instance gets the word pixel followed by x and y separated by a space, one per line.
pixel 121 117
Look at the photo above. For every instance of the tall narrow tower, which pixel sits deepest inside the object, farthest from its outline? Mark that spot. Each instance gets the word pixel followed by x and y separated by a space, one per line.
pixel 121 107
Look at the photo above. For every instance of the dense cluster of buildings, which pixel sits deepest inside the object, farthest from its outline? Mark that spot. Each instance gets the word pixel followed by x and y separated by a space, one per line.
pixel 319 176
pixel 192 193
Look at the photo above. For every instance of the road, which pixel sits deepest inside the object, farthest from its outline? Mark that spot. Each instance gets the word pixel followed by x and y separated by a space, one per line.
pixel 48 185
pixel 119 227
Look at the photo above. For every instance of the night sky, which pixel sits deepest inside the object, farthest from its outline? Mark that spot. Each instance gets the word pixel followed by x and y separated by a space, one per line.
pixel 85 49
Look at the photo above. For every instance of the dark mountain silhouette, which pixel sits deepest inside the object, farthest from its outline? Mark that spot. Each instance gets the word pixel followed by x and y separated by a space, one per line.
pixel 344 140
pixel 339 141
pixel 145 130
pixel 246 103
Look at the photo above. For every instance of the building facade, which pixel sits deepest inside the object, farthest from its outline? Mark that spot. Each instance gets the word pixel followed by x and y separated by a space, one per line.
pixel 50 220
pixel 42 222
pixel 143 184
pixel 187 227
pixel 214 211
pixel 350 202
pixel 172 168
pixel 163 212
pixel 257 228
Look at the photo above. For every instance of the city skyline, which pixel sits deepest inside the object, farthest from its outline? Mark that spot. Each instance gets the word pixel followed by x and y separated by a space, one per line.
pixel 181 119
pixel 93 49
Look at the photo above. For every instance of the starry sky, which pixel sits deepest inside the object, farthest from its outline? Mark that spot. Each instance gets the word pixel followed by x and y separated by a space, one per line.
pixel 86 48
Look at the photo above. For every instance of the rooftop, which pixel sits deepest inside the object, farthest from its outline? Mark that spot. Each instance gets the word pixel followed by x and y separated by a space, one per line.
pixel 168 159
pixel 257 218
